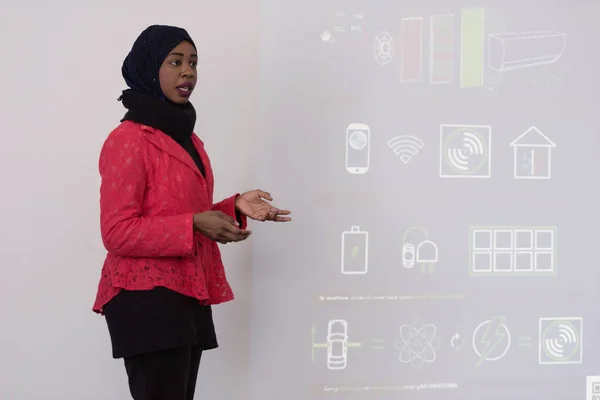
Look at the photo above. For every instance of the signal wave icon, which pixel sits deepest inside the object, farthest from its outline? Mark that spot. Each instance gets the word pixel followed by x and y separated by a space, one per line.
pixel 555 346
pixel 465 151
pixel 472 146
pixel 406 147
pixel 560 340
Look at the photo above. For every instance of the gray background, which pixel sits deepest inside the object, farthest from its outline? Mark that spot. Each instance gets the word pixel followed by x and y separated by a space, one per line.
pixel 310 92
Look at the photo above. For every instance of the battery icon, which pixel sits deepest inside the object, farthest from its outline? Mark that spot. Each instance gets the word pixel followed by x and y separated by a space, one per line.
pixel 355 251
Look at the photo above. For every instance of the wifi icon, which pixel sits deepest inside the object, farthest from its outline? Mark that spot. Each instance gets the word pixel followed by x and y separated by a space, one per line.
pixel 406 147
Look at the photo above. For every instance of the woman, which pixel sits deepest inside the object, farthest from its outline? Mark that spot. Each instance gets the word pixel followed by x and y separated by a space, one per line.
pixel 163 270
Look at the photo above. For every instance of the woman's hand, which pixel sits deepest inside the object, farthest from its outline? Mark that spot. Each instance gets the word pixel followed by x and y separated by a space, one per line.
pixel 253 205
pixel 219 227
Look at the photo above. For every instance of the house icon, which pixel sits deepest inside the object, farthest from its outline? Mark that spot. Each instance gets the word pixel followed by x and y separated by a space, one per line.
pixel 532 155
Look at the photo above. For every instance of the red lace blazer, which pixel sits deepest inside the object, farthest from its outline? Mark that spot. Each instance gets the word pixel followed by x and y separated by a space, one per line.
pixel 150 190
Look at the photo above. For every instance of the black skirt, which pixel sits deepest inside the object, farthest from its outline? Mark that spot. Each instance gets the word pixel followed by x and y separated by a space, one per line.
pixel 144 321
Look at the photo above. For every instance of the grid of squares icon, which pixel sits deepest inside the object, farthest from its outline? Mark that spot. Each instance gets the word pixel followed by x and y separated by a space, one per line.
pixel 513 250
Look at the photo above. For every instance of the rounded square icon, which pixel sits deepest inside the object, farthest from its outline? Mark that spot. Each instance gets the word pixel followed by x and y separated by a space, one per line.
pixel 482 261
pixel 523 239
pixel 544 239
pixel 503 261
pixel 523 261
pixel 544 261
pixel 503 239
pixel 482 240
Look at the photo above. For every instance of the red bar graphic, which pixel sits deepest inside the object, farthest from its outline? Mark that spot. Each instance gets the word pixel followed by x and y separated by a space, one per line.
pixel 441 49
pixel 411 50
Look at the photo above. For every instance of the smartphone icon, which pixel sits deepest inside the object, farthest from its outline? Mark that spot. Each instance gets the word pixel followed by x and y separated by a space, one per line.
pixel 355 251
pixel 358 148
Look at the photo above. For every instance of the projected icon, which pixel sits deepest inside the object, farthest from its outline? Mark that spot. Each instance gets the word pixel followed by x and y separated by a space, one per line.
pixel 355 251
pixel 592 388
pixel 417 344
pixel 418 249
pixel 472 47
pixel 532 155
pixel 561 341
pixel 337 344
pixel 411 49
pixel 491 340
pixel 457 342
pixel 358 148
pixel 465 151
pixel 441 49
pixel 383 48
pixel 514 251
pixel 518 50
pixel 405 147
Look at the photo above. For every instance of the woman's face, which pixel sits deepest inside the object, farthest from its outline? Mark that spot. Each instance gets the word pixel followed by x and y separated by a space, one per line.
pixel 177 73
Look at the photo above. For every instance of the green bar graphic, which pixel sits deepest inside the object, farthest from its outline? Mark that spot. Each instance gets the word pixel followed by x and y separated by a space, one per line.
pixel 472 42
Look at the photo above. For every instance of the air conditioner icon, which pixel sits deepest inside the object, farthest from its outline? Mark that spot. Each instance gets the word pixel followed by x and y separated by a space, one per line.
pixel 518 50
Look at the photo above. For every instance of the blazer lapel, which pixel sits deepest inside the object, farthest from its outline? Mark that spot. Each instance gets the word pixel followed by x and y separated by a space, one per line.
pixel 168 145
pixel 206 162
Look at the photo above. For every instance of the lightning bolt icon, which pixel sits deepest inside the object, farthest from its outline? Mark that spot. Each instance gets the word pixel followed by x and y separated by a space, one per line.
pixel 355 251
pixel 494 335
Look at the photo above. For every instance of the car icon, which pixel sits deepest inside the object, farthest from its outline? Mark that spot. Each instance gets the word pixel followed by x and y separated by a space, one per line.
pixel 337 344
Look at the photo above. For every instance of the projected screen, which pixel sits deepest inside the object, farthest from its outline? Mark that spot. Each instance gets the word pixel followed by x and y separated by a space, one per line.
pixel 440 159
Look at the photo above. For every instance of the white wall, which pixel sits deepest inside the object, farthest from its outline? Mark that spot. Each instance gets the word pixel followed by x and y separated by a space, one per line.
pixel 60 78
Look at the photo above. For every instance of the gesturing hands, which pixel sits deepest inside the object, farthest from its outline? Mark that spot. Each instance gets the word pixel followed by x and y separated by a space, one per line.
pixel 219 227
pixel 253 205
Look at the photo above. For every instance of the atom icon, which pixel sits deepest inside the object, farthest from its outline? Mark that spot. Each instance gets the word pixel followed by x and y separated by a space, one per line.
pixel 417 344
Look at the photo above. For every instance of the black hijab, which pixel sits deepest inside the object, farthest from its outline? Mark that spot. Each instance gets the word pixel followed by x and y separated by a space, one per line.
pixel 144 100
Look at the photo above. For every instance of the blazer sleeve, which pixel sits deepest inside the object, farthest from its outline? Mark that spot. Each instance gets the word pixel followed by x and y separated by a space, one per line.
pixel 125 230
pixel 227 206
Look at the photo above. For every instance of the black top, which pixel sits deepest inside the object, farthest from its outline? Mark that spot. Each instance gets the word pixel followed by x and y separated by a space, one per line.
pixel 144 321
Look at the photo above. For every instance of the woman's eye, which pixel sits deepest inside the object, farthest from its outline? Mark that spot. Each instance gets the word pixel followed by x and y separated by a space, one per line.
pixel 194 65
pixel 175 62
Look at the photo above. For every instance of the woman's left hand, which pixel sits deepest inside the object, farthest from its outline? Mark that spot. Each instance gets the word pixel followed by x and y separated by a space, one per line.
pixel 253 205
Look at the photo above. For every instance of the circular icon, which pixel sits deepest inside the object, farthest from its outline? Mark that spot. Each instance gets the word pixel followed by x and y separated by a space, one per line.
pixel 560 340
pixel 358 140
pixel 383 48
pixel 417 344
pixel 491 340
pixel 465 151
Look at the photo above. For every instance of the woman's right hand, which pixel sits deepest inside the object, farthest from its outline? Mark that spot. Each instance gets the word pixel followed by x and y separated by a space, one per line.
pixel 219 227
